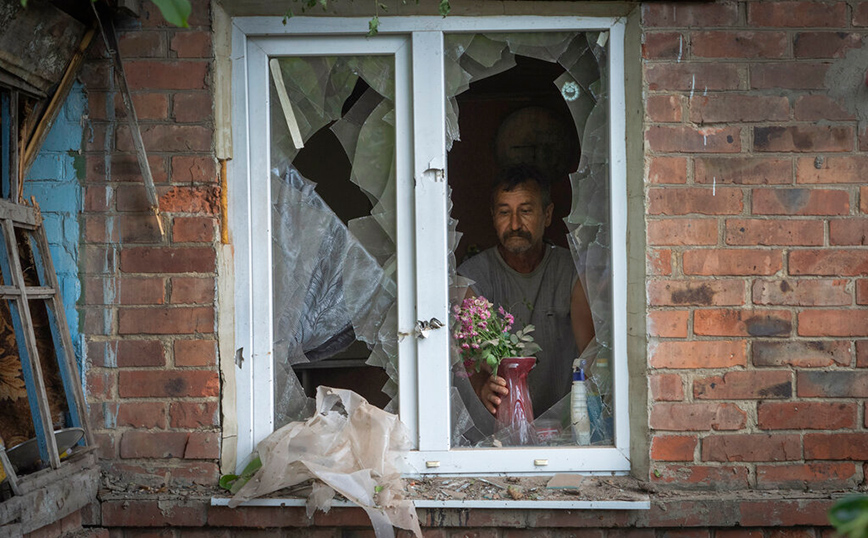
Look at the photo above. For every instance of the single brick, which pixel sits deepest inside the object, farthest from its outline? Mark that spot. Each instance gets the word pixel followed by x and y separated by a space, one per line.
pixel 694 200
pixel 664 108
pixel 695 292
pixel 166 75
pixel 193 169
pixel 142 415
pixel 738 44
pixel 825 44
pixel 193 414
pixel 659 262
pixel 195 352
pixel 192 44
pixel 152 513
pixel 125 168
pixel 693 76
pixel 833 384
pixel 663 45
pixel 687 139
pixel 193 229
pixel 142 291
pixel 806 476
pixel 863 199
pixel 778 201
pixel 743 171
pixel 803 138
pixel 666 387
pixel 862 354
pixel 820 108
pixel 101 384
pixel 745 385
pixel 698 354
pixel 806 415
pixel 138 353
pixel 707 477
pixel 732 262
pixel 168 260
pixel 169 384
pixel 833 323
pixel 748 232
pixel 737 322
pixel 683 232
pixel 848 231
pixel 142 44
pixel 788 76
pixel 141 228
pixel 202 446
pixel 139 444
pixel 185 199
pixel 862 291
pixel 752 447
pixel 667 170
pixel 831 169
pixel 836 446
pixel 828 262
pixel 798 292
pixel 697 416
pixel 668 323
pixel 860 14
pixel 159 320
pixel 725 108
pixel 193 107
pixel 167 138
pixel 673 447
pixel 192 290
pixel 696 15
pixel 797 14
pixel 782 513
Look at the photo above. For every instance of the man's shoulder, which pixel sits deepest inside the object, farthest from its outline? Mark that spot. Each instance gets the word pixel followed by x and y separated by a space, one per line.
pixel 481 261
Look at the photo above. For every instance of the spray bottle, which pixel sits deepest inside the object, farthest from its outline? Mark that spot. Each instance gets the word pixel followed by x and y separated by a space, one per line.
pixel 581 424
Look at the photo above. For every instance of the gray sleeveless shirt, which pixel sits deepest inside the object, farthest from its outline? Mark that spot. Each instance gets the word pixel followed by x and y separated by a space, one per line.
pixel 541 298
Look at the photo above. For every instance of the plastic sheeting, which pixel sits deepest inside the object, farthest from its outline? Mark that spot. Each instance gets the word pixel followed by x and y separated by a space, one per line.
pixel 348 446
pixel 584 87
pixel 334 283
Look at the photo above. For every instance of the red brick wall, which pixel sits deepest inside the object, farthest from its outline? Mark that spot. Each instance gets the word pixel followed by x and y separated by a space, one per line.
pixel 149 304
pixel 758 334
pixel 756 230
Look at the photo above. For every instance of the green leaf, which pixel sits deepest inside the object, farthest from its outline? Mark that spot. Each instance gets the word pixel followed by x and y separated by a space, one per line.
pixel 373 26
pixel 384 7
pixel 175 12
pixel 324 4
pixel 23 3
pixel 849 516
pixel 513 338
pixel 288 15
pixel 226 481
pixel 444 7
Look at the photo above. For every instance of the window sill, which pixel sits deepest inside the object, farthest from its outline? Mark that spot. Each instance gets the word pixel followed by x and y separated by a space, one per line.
pixel 467 503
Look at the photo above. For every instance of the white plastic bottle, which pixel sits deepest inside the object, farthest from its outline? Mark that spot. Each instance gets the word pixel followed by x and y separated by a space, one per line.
pixel 581 423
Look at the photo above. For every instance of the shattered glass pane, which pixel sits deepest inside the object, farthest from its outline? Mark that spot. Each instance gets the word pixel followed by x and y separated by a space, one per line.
pixel 496 77
pixel 333 236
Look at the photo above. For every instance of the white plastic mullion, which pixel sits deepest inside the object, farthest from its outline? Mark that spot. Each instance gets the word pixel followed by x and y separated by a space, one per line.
pixel 239 197
pixel 429 135
pixel 260 248
pixel 618 182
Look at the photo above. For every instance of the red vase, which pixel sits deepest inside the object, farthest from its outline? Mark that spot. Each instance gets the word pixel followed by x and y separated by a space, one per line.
pixel 514 418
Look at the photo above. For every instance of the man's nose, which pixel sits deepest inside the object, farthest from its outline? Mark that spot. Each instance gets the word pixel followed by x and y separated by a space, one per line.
pixel 515 221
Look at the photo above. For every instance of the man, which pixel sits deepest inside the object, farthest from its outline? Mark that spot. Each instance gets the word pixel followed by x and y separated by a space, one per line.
pixel 536 282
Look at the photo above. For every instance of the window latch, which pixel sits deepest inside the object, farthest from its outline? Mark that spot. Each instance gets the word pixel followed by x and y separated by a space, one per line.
pixel 424 327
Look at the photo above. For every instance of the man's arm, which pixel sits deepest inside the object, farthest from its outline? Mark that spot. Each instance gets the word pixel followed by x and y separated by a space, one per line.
pixel 580 315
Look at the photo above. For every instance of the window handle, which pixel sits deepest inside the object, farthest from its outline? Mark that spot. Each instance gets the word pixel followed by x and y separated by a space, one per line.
pixel 424 327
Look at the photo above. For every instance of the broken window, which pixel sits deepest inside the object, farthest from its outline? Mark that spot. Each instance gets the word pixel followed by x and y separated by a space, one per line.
pixel 347 240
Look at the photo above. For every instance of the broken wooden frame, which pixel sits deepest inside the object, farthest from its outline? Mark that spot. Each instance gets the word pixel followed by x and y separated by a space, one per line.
pixel 23 236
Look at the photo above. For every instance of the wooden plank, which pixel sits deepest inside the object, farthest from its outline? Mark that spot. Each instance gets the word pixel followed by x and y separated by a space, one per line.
pixel 18 213
pixel 6 131
pixel 23 325
pixel 63 349
pixel 33 292
pixel 14 177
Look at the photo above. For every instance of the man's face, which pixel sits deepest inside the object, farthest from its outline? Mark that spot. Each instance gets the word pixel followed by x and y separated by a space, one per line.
pixel 520 218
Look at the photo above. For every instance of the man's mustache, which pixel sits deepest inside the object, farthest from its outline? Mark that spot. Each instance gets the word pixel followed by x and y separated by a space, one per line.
pixel 518 233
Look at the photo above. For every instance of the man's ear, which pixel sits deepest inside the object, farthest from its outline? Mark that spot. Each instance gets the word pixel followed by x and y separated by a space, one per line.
pixel 549 211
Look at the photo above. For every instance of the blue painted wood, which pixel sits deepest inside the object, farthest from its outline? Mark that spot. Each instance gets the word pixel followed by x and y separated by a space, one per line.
pixel 24 356
pixel 59 351
pixel 6 142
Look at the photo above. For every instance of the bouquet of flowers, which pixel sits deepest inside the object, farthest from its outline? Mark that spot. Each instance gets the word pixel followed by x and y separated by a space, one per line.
pixel 484 335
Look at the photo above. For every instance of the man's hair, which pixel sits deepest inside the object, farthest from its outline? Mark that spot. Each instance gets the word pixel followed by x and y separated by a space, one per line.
pixel 519 174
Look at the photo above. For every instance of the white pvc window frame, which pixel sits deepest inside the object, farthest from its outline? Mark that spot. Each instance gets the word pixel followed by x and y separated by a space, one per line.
pixel 416 43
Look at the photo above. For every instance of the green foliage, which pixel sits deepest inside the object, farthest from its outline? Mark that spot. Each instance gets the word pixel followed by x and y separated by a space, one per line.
pixel 849 516
pixel 175 11
pixel 234 482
